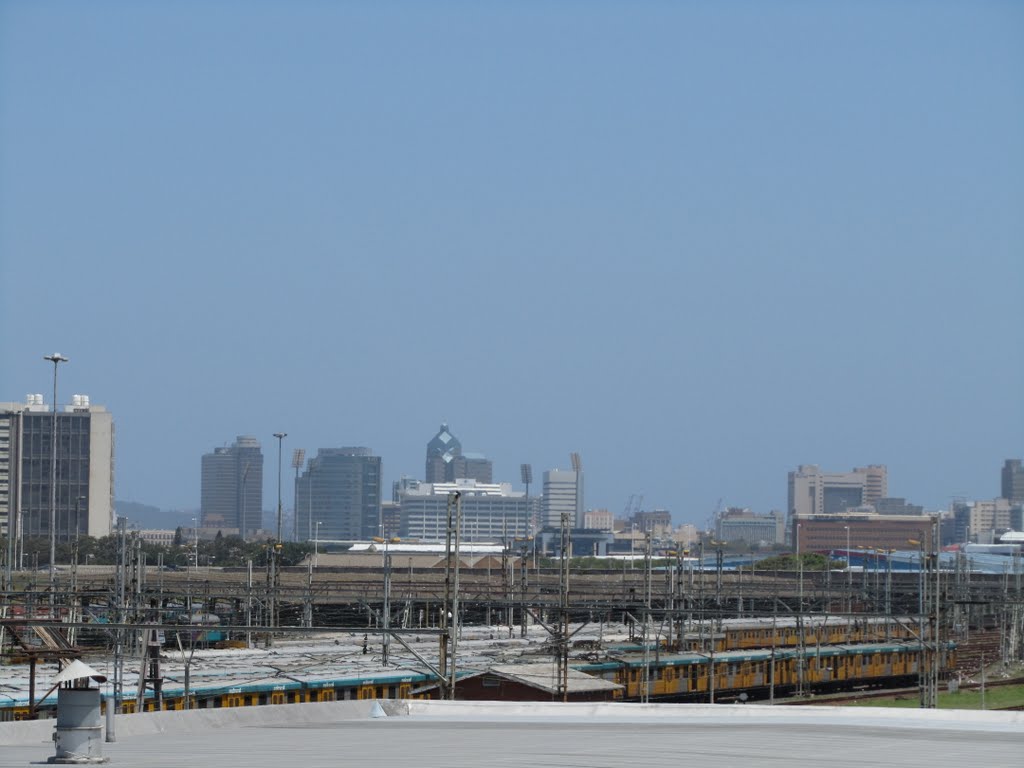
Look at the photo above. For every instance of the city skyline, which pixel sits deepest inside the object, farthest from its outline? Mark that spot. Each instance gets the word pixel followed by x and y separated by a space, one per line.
pixel 340 493
pixel 267 477
pixel 700 245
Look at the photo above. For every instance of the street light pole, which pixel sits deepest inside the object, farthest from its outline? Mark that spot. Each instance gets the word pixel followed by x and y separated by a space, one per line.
pixel 56 358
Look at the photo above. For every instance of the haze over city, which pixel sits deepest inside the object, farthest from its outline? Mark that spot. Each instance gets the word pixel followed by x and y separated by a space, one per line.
pixel 699 244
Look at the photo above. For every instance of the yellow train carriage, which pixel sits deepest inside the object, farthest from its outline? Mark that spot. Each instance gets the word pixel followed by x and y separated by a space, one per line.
pixel 694 676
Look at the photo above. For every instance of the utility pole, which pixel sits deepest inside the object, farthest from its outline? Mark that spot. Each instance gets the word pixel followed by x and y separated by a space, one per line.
pixel 938 655
pixel 524 582
pixel 386 639
pixel 450 608
pixel 562 641
pixel 645 690
pixel 506 576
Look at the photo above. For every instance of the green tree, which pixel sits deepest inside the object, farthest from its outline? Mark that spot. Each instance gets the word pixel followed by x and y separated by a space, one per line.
pixel 812 561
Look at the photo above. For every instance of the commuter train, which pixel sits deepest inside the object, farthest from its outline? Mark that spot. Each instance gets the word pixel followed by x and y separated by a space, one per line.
pixel 214 694
pixel 764 672
pixel 714 660
pixel 677 677
pixel 790 631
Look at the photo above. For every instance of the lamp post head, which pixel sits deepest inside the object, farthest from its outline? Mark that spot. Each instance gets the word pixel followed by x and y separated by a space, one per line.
pixel 55 358
pixel 280 435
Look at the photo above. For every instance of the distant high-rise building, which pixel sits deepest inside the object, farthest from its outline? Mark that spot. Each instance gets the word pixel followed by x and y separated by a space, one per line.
pixel 981 522
pixel 447 463
pixel 472 466
pixel 562 494
pixel 341 490
pixel 897 506
pixel 876 482
pixel 442 450
pixel 813 492
pixel 231 495
pixel 1013 481
pixel 85 469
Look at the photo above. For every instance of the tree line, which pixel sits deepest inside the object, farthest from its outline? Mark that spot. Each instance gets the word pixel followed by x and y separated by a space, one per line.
pixel 220 551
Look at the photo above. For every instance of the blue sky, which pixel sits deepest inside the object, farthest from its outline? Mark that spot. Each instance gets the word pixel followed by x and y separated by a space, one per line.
pixel 700 243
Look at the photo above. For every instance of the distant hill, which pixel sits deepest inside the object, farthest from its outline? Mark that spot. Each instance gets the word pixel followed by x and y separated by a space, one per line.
pixel 147 516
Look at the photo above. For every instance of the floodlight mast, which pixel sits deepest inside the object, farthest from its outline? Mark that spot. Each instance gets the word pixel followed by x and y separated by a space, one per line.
pixel 526 474
pixel 298 457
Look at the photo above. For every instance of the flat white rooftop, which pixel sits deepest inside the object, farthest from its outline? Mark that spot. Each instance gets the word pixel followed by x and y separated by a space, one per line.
pixel 471 735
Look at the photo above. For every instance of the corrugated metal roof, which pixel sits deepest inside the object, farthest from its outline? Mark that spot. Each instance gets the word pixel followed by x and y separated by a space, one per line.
pixel 545 677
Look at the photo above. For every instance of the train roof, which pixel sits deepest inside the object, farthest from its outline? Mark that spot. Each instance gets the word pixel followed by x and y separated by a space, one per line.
pixel 634 660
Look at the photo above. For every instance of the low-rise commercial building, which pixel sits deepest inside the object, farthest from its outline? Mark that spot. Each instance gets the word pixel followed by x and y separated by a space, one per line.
pixel 490 511
pixel 825 533
pixel 735 524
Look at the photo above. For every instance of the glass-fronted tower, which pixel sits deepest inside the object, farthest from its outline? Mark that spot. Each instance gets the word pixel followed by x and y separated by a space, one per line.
pixel 232 487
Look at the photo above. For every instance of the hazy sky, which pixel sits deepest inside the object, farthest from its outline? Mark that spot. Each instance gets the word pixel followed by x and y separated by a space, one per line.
pixel 698 242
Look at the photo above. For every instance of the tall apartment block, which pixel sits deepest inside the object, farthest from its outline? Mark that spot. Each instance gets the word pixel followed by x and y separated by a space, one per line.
pixel 446 462
pixel 1012 486
pixel 84 470
pixel 338 496
pixel 563 494
pixel 231 496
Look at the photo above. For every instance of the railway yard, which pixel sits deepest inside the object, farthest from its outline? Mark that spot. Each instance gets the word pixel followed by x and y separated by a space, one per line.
pixel 239 637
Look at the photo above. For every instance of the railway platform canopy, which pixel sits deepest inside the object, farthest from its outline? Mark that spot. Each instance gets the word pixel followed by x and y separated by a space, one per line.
pixel 406 734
